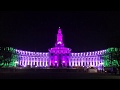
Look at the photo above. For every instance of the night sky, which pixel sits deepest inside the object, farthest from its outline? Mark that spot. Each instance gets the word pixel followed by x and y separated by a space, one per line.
pixel 82 30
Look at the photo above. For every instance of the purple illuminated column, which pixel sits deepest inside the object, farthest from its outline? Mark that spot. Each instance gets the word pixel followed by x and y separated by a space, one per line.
pixel 37 62
pixel 30 62
pixel 43 62
pixel 81 61
pixel 40 62
pixel 78 61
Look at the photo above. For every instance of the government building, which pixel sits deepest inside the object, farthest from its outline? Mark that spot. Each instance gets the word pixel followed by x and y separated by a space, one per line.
pixel 61 56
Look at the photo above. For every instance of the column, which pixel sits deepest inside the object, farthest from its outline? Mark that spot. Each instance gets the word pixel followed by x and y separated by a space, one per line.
pixel 43 61
pixel 46 62
pixel 31 63
pixel 50 62
pixel 75 62
pixel 40 62
pixel 81 61
pixel 93 63
pixel 34 61
pixel 78 62
pixel 37 62
pixel 70 62
pixel 20 63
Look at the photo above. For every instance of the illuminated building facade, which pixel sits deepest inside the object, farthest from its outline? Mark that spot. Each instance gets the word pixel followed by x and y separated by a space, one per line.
pixel 61 56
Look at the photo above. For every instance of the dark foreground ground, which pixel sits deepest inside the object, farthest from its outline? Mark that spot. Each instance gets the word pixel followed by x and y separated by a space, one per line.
pixel 55 75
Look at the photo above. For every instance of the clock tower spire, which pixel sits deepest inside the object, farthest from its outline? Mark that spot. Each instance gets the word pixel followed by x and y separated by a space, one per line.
pixel 59 38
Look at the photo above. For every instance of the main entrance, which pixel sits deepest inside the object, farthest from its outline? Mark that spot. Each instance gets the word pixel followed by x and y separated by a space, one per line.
pixel 59 61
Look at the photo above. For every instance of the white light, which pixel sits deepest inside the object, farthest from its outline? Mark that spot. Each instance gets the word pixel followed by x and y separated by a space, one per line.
pixel 59 42
pixel 101 63
pixel 16 62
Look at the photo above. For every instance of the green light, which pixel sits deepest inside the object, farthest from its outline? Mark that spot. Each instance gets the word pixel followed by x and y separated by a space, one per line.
pixel 110 57
pixel 13 58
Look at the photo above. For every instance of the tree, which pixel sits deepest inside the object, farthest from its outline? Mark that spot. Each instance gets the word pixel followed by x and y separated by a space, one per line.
pixel 7 53
pixel 112 57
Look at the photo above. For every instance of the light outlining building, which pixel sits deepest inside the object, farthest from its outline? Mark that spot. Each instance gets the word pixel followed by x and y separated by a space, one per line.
pixel 61 56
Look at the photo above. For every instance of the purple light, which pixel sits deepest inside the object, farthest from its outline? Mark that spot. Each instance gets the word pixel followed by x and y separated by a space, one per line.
pixel 60 53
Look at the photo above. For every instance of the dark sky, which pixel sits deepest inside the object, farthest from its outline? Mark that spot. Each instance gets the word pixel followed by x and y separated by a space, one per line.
pixel 82 30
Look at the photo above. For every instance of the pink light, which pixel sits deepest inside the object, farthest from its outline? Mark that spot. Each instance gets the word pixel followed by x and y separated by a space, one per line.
pixel 55 61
